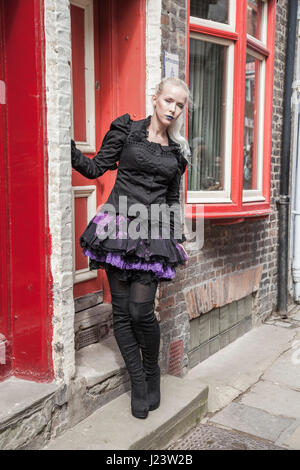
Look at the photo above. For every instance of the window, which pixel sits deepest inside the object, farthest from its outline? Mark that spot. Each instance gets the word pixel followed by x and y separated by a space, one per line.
pixel 83 106
pixel 213 10
pixel 230 75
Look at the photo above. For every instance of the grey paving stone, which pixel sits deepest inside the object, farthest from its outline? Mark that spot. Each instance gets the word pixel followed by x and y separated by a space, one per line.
pixel 289 437
pixel 252 421
pixel 241 363
pixel 273 398
pixel 285 369
pixel 293 441
pixel 296 316
pixel 220 396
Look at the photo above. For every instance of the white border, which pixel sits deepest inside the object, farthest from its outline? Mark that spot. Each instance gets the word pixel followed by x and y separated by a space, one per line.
pixel 89 192
pixel 264 26
pixel 89 146
pixel 250 195
pixel 58 100
pixel 153 50
pixel 225 195
pixel 230 26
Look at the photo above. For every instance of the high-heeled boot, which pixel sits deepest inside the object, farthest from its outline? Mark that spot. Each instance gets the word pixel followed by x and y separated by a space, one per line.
pixel 131 354
pixel 153 389
pixel 147 330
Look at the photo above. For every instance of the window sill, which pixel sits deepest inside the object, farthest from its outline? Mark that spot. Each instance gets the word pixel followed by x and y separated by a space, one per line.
pixel 222 216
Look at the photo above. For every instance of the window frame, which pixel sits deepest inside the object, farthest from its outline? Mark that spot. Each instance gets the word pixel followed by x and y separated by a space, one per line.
pixel 222 196
pixel 243 203
pixel 89 193
pixel 89 145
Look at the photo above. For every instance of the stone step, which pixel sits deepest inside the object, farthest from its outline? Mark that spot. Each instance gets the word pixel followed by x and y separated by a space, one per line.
pixel 33 413
pixel 183 405
pixel 101 363
pixel 26 410
pixel 30 412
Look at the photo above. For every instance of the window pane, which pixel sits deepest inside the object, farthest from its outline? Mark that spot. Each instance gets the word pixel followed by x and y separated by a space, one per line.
pixel 78 73
pixel 214 10
pixel 254 16
pixel 207 74
pixel 251 120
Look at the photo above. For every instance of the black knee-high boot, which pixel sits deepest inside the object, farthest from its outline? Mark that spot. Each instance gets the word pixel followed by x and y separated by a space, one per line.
pixel 130 351
pixel 147 331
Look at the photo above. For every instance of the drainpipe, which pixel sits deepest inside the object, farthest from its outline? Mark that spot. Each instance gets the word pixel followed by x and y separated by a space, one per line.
pixel 296 187
pixel 284 198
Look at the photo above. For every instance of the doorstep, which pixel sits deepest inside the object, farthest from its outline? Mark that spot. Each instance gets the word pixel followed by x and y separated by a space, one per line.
pixel 25 408
pixel 183 405
pixel 31 413
pixel 99 362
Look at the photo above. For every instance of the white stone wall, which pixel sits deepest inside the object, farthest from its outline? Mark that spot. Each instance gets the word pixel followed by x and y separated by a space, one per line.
pixel 153 50
pixel 58 94
pixel 153 66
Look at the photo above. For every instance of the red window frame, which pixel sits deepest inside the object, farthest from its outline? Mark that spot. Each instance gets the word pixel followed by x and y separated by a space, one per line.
pixel 237 210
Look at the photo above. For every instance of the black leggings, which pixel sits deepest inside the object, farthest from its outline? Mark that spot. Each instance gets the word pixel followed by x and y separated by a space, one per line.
pixel 135 325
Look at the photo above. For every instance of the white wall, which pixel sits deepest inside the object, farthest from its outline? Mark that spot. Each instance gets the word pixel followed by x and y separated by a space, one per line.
pixel 58 95
pixel 153 50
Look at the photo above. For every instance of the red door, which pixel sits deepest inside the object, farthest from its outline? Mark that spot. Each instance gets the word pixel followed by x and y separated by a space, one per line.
pixel 25 281
pixel 108 79
pixel 5 327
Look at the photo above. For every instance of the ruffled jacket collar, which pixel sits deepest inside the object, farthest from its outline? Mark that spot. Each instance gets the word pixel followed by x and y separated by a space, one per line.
pixel 141 134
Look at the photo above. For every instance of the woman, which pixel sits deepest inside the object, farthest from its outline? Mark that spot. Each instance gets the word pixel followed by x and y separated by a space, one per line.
pixel 151 164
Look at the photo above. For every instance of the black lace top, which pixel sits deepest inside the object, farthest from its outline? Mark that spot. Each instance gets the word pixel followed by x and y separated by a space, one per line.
pixel 148 172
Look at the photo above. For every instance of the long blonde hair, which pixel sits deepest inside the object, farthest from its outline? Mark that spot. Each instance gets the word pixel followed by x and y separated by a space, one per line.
pixel 175 127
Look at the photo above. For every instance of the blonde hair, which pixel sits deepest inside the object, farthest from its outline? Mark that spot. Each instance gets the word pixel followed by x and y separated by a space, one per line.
pixel 175 127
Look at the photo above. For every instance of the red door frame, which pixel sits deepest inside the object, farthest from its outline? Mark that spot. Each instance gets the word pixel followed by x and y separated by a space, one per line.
pixel 26 278
pixel 5 327
pixel 120 69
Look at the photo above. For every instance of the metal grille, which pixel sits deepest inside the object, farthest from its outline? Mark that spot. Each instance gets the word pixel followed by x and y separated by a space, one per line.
pixel 175 357
pixel 209 437
pixel 87 336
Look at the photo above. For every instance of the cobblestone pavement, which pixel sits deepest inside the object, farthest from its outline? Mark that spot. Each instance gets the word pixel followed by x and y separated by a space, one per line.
pixel 210 437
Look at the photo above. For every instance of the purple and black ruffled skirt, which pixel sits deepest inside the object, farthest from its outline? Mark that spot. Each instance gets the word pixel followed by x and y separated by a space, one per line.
pixel 110 244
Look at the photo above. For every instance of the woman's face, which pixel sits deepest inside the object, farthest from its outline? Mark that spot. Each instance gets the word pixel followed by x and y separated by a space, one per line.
pixel 169 104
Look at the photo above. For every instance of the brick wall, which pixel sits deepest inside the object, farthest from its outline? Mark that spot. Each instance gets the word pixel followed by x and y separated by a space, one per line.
pixel 232 248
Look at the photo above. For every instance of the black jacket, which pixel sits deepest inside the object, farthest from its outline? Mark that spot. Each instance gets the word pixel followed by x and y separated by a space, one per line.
pixel 148 173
